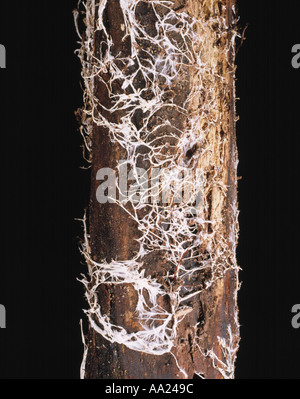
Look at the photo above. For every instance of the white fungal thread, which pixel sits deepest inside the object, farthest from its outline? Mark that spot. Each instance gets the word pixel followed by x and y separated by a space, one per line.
pixel 193 242
pixel 85 353
pixel 226 365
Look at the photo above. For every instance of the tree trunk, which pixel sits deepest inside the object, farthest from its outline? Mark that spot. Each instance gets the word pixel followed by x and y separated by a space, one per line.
pixel 163 279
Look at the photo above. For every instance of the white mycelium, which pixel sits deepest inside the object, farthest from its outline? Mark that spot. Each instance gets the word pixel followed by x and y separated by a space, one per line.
pixel 178 51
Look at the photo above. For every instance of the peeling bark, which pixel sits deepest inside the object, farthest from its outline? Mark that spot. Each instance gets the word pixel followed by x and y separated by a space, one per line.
pixel 207 338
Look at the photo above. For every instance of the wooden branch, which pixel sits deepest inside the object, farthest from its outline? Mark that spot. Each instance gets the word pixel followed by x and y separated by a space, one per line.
pixel 203 107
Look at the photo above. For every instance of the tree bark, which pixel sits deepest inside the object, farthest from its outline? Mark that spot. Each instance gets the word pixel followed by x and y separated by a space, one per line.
pixel 182 51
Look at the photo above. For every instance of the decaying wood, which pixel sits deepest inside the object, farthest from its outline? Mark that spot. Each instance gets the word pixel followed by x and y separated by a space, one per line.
pixel 207 338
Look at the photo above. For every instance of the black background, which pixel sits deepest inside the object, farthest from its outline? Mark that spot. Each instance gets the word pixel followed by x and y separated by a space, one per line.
pixel 43 190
